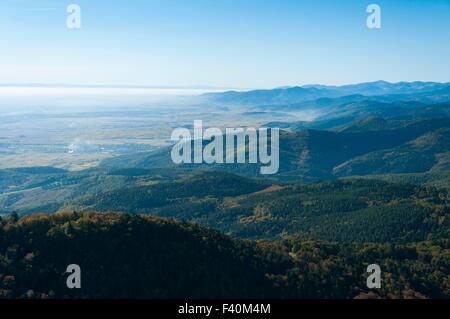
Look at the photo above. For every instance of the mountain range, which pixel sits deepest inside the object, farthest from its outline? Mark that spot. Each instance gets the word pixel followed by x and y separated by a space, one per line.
pixel 310 95
pixel 367 180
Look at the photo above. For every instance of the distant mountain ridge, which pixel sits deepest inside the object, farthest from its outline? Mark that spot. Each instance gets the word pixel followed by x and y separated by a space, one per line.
pixel 384 87
pixel 414 91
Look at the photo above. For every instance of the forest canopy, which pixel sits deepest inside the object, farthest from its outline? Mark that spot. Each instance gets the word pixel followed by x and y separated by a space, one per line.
pixel 139 256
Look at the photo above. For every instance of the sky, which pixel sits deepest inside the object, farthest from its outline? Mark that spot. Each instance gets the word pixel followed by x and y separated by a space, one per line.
pixel 223 43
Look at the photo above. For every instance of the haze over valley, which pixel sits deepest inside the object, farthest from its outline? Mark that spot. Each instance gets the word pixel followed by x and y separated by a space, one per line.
pixel 363 172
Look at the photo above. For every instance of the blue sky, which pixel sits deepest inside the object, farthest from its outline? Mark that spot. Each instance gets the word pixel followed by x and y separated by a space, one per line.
pixel 223 43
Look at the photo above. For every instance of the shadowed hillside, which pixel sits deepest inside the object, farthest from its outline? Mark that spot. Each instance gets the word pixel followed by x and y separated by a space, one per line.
pixel 311 155
pixel 125 256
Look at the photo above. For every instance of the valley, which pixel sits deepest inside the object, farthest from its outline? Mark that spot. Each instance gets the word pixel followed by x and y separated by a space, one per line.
pixel 362 178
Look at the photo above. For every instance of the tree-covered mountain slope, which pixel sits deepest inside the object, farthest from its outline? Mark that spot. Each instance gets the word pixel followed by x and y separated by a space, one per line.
pixel 311 154
pixel 402 151
pixel 129 256
pixel 351 210
pixel 430 151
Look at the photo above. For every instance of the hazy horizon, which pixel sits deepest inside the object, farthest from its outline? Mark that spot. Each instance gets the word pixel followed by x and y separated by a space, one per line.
pixel 177 89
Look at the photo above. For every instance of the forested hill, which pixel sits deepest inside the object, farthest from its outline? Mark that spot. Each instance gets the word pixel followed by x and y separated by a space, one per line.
pixel 350 210
pixel 347 210
pixel 131 256
pixel 363 147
